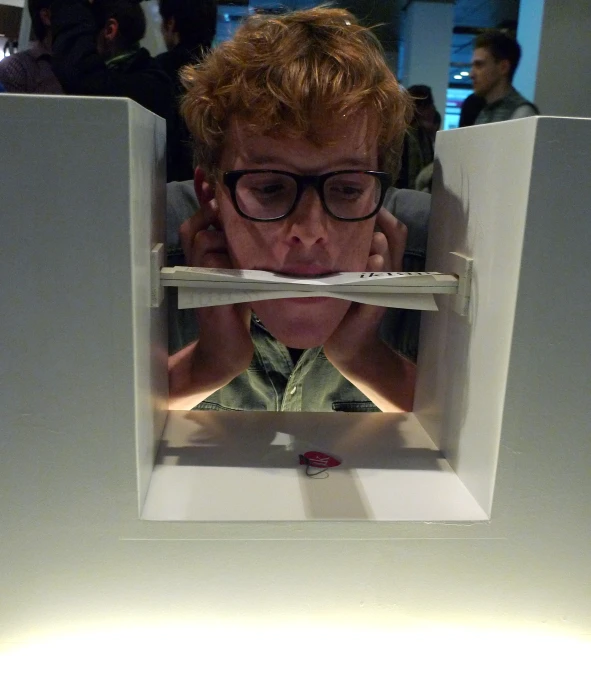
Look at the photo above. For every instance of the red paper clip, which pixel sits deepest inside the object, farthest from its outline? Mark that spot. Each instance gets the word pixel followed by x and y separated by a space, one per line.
pixel 313 458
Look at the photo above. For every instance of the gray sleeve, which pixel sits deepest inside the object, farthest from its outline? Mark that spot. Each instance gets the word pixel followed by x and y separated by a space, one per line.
pixel 181 203
pixel 523 112
pixel 13 75
pixel 412 208
pixel 400 328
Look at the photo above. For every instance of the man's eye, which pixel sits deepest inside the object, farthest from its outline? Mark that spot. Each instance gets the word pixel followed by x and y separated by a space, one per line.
pixel 269 189
pixel 348 191
pixel 266 188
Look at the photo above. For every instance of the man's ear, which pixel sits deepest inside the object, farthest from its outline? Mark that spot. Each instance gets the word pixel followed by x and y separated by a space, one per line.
pixel 204 190
pixel 111 29
pixel 45 16
pixel 505 67
pixel 170 25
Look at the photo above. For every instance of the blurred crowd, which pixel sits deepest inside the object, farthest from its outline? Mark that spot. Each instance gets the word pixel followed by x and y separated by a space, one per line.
pixel 496 55
pixel 247 108
pixel 93 48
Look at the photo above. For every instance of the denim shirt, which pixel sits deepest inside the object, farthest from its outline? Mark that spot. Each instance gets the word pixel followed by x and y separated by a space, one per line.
pixel 273 382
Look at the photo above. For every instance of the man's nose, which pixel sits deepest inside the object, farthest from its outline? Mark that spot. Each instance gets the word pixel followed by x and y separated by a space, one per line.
pixel 308 224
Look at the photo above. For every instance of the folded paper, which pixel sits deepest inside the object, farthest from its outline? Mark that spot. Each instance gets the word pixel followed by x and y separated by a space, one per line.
pixel 199 287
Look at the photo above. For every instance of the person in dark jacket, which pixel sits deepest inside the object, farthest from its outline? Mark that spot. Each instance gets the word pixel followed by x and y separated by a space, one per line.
pixel 494 61
pixel 188 29
pixel 29 71
pixel 471 107
pixel 418 149
pixel 96 52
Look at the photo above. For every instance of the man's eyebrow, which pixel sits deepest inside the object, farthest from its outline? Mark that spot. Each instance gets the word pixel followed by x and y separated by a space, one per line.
pixel 347 162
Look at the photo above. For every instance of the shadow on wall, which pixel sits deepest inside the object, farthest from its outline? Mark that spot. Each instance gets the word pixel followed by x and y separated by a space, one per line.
pixel 446 333
pixel 231 440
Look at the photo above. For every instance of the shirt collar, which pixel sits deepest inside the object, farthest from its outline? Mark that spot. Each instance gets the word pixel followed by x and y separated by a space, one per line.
pixel 494 104
pixel 123 56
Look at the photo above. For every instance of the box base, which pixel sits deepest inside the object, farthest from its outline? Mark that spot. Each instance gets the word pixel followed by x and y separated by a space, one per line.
pixel 236 466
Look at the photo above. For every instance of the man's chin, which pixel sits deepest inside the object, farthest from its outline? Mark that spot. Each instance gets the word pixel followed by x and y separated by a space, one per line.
pixel 301 323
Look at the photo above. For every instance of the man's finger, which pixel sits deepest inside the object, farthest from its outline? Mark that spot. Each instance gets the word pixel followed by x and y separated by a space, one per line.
pixel 376 263
pixel 379 246
pixel 396 233
pixel 208 241
pixel 214 260
pixel 203 219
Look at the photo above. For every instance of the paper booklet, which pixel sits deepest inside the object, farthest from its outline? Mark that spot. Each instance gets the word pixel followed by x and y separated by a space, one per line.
pixel 199 287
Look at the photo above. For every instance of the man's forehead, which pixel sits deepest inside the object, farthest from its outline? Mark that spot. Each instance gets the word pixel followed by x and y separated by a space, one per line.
pixel 347 139
pixel 481 55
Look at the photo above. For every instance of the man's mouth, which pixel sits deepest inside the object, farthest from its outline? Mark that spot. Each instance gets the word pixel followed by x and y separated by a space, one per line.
pixel 304 271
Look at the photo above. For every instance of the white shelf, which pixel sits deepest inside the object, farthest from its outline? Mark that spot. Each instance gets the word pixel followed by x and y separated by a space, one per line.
pixel 225 466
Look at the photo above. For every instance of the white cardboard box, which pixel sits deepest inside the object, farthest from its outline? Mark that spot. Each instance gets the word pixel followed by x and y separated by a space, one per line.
pixel 504 395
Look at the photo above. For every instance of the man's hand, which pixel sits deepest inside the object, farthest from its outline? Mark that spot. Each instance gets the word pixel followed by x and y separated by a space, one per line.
pixel 224 348
pixel 355 348
pixel 359 328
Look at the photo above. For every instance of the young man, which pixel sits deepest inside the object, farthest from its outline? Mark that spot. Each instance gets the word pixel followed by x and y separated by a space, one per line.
pixel 29 71
pixel 298 124
pixel 188 29
pixel 96 52
pixel 494 61
pixel 419 143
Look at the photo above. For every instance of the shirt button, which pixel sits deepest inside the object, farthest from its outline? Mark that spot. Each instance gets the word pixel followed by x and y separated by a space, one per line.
pixel 293 390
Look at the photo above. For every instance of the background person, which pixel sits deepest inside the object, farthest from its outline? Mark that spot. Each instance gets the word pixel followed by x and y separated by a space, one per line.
pixel 30 71
pixel 97 52
pixel 188 29
pixel 494 61
pixel 419 141
pixel 471 107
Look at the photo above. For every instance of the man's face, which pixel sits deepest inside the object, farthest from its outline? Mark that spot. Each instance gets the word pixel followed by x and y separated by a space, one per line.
pixel 169 34
pixel 487 73
pixel 105 42
pixel 308 242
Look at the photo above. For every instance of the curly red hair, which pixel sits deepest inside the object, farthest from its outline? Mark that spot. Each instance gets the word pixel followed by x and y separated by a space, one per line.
pixel 288 75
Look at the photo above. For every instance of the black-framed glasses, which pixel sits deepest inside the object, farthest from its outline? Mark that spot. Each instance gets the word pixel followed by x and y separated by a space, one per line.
pixel 270 195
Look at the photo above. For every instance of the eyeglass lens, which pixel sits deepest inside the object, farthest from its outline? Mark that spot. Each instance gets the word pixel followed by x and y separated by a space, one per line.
pixel 268 195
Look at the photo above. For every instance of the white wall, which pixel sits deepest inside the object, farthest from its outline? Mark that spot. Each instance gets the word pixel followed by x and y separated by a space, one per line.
pixel 153 40
pixel 563 50
pixel 426 44
pixel 94 599
pixel 531 17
